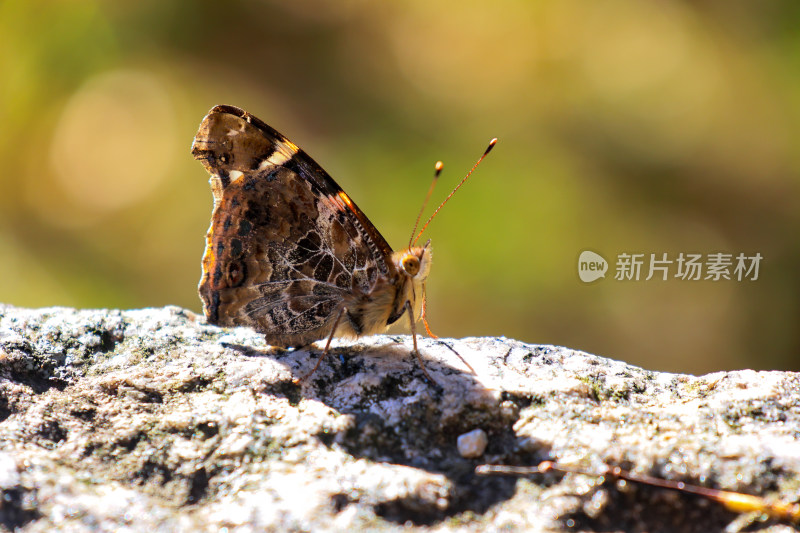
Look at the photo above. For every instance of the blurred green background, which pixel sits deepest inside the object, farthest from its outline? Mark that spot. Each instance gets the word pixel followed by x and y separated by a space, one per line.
pixel 624 126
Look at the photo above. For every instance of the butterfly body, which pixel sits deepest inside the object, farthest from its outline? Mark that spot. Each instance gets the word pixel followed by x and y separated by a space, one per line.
pixel 288 253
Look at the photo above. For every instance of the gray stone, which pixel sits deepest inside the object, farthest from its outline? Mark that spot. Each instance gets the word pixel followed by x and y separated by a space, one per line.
pixel 472 444
pixel 152 420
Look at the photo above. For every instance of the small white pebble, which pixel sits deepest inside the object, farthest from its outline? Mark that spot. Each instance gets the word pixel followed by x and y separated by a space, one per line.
pixel 472 444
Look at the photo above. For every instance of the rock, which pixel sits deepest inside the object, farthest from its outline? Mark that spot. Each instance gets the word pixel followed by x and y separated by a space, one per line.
pixel 153 420
pixel 472 444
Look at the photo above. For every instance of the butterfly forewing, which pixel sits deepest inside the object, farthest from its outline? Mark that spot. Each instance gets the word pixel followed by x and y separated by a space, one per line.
pixel 287 248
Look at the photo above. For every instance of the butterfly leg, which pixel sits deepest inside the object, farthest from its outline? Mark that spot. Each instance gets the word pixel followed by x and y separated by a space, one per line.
pixel 410 310
pixel 428 329
pixel 339 315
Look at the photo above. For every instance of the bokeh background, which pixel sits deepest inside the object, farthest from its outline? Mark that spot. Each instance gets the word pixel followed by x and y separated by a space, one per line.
pixel 624 126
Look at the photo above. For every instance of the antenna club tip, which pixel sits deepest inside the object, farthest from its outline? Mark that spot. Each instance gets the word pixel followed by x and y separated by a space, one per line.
pixel 491 145
pixel 438 166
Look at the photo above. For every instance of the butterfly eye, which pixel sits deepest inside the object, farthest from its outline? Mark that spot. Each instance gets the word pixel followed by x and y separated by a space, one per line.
pixel 410 264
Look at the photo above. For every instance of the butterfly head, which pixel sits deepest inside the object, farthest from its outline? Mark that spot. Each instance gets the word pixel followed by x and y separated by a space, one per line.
pixel 415 262
pixel 414 265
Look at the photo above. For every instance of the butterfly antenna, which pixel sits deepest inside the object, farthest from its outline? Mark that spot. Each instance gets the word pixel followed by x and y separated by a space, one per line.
pixel 437 170
pixel 485 153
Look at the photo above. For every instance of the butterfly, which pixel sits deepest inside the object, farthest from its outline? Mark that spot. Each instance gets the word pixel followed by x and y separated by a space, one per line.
pixel 288 253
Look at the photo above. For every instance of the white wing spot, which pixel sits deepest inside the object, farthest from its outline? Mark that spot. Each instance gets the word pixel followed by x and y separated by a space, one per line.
pixel 278 158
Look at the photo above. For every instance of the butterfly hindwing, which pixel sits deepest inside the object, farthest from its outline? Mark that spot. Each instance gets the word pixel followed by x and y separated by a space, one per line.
pixel 286 247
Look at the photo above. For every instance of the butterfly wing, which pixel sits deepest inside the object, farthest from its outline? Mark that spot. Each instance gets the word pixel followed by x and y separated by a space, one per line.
pixel 286 246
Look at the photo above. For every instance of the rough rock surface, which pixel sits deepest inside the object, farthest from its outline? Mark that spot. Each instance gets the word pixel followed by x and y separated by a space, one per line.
pixel 152 420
